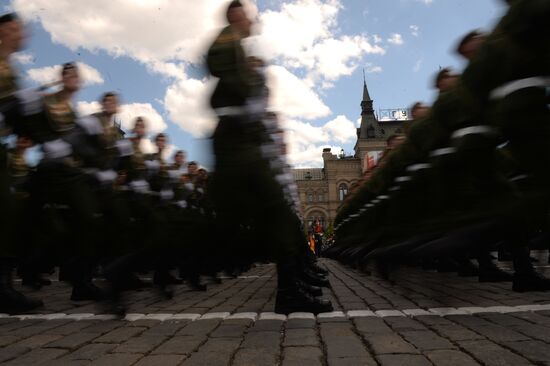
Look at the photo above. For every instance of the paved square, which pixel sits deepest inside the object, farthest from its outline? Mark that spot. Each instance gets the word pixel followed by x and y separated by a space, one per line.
pixel 419 318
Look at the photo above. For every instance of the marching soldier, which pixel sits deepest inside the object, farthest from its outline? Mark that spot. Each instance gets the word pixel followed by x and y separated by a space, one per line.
pixel 245 191
pixel 12 110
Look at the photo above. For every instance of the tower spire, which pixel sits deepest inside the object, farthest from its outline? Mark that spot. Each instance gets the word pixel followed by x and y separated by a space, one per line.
pixel 366 96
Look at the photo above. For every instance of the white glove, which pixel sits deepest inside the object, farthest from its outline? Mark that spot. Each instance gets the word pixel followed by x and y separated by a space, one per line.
pixel 139 186
pixel 31 101
pixel 57 149
pixel 106 176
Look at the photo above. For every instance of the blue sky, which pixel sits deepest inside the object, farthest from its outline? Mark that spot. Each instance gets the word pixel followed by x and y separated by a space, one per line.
pixel 149 51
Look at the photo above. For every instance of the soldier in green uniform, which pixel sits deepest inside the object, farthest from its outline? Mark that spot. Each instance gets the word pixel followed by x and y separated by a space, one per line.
pixel 61 181
pixel 12 36
pixel 246 193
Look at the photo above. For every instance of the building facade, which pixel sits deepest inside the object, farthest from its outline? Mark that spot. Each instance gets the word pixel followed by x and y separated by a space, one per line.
pixel 322 190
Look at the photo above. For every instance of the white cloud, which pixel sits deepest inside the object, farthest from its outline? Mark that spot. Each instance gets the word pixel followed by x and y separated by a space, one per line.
pixel 414 30
pixel 24 58
pixel 418 65
pixel 186 101
pixel 396 39
pixel 377 39
pixel 341 130
pixel 303 34
pixel 305 141
pixel 373 69
pixel 128 113
pixel 142 29
pixel 48 74
pixel 292 96
pixel 427 2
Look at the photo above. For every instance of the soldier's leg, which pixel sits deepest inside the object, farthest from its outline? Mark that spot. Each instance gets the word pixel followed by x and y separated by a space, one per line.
pixel 11 301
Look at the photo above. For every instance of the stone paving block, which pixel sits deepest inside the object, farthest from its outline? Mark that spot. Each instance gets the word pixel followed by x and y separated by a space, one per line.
pixel 119 335
pixel 535 351
pixel 118 359
pixel 142 344
pixel 214 352
pixel 307 355
pixel 388 343
pixel 300 324
pixel 7 340
pixel 491 354
pixel 9 352
pixel 90 352
pixel 38 356
pixel 229 331
pixel 300 337
pixel 352 361
pixel 199 327
pixel 340 341
pixel 181 345
pixel 12 326
pixel 262 340
pixel 103 327
pixel 497 333
pixel 455 332
pixel 404 324
pixel 403 360
pixel 250 356
pixel 426 340
pixel 371 325
pixel 164 360
pixel 266 326
pixel 38 340
pixel 434 320
pixel 73 341
pixel 450 358
pixel 72 327
pixel 167 328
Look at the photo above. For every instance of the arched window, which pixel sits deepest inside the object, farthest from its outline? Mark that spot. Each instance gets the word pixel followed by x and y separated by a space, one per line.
pixel 342 191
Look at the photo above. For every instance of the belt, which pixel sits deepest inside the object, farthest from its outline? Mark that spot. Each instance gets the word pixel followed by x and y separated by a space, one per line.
pixel 230 111
pixel 515 85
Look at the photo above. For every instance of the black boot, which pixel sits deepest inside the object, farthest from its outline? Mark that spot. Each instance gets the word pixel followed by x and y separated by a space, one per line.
pixel 195 283
pixel 526 278
pixel 79 272
pixel 290 298
pixel 293 300
pixel 309 289
pixel 163 277
pixel 12 301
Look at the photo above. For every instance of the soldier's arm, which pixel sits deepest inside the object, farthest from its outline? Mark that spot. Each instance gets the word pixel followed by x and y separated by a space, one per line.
pixel 225 61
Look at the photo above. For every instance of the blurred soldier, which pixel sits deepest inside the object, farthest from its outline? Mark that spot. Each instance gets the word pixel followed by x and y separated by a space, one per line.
pixel 245 191
pixel 12 36
pixel 61 181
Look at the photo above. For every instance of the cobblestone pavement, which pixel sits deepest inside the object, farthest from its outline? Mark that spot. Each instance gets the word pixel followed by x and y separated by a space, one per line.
pixel 421 318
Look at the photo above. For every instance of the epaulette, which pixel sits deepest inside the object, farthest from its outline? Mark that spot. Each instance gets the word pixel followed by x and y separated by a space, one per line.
pixel 227 38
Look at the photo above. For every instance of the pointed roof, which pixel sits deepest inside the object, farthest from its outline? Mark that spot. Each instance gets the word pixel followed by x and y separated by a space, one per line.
pixel 366 96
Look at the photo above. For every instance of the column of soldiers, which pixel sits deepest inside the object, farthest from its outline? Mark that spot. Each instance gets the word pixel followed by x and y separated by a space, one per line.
pixel 96 201
pixel 473 173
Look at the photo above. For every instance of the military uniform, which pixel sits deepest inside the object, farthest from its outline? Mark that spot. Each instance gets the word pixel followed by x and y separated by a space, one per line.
pixel 248 194
pixel 12 112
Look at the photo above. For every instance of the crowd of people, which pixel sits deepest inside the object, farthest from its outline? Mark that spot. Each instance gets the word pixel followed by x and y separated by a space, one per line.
pixel 472 173
pixel 96 205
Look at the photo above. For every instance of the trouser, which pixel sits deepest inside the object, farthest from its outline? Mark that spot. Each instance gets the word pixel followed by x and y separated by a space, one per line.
pixel 57 184
pixel 247 196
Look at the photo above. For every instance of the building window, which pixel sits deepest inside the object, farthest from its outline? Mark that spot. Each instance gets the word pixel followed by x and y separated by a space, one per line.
pixel 321 198
pixel 371 133
pixel 309 197
pixel 342 191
